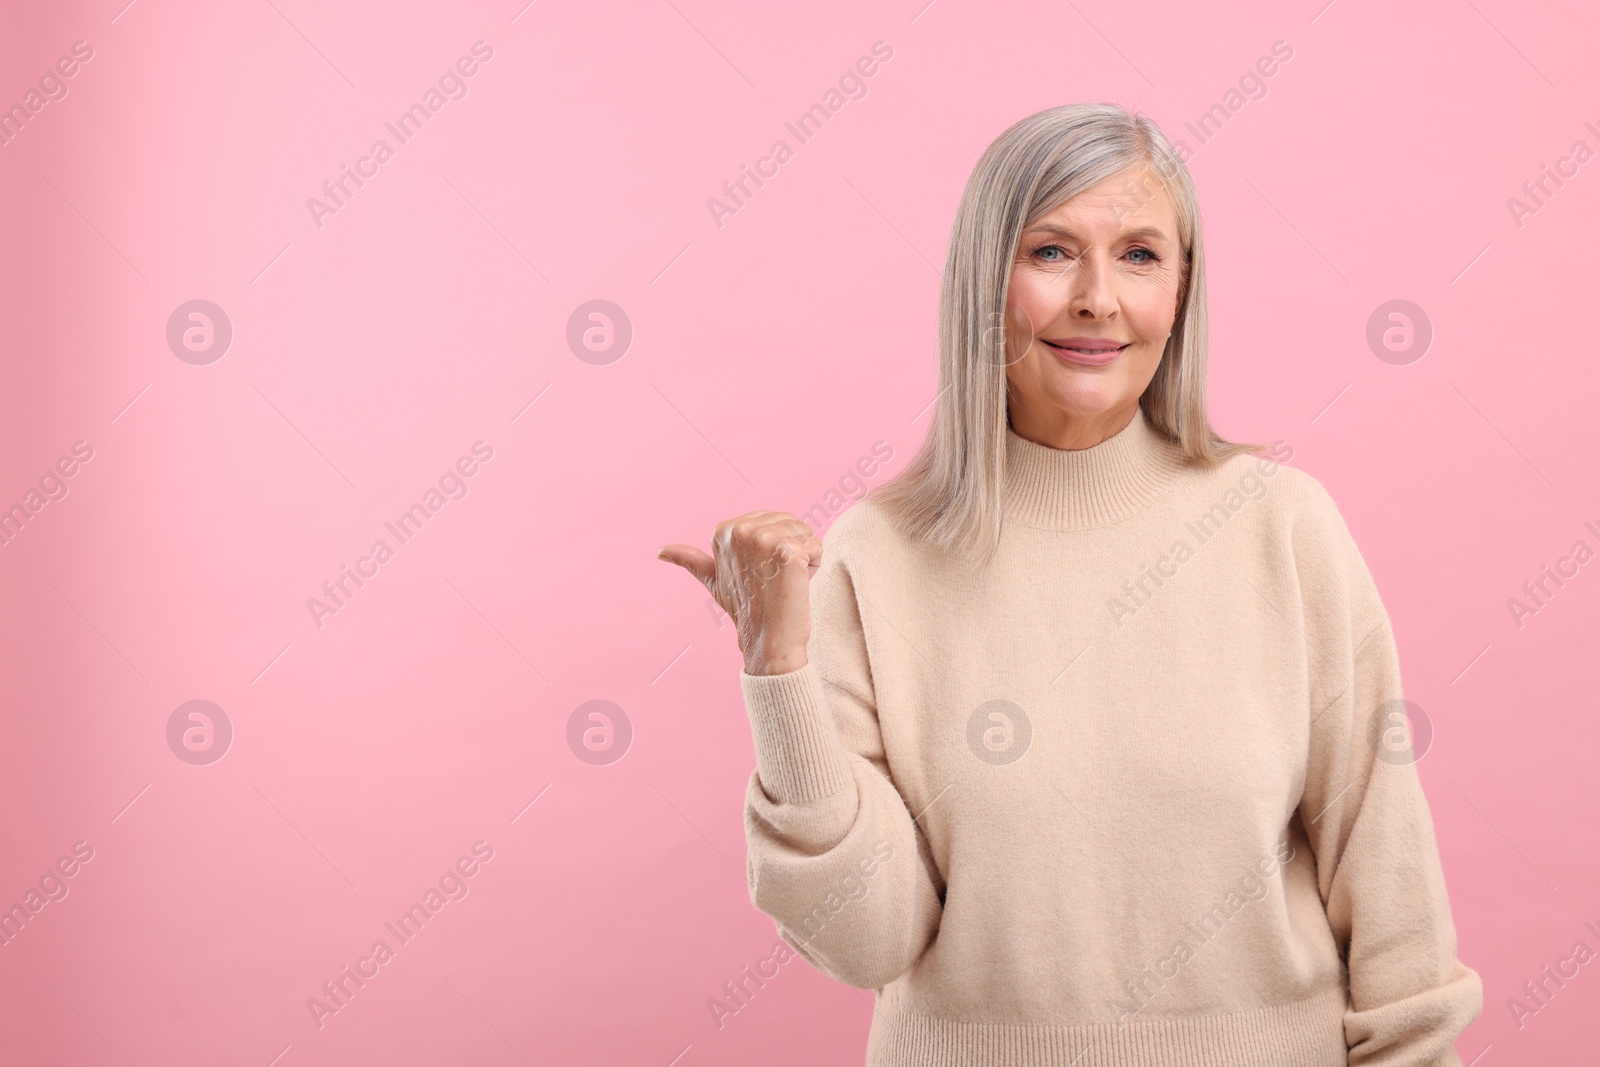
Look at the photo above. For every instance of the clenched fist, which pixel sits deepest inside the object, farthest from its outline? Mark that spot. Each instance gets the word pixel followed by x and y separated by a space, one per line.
pixel 760 573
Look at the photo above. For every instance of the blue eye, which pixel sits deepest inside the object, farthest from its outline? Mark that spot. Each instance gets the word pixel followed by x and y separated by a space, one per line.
pixel 1060 254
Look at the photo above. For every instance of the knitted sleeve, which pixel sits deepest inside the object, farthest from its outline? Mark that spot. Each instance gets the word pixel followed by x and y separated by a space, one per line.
pixel 834 855
pixel 1367 819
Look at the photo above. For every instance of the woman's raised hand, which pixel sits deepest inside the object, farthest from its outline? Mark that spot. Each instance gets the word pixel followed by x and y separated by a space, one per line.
pixel 760 573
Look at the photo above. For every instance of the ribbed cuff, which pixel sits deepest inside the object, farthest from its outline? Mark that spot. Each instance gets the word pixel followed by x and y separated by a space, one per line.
pixel 798 753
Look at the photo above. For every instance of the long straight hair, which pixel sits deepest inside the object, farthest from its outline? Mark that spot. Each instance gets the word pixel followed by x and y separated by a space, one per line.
pixel 949 495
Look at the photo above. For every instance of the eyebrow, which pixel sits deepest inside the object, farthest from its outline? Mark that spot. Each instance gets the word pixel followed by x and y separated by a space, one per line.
pixel 1142 231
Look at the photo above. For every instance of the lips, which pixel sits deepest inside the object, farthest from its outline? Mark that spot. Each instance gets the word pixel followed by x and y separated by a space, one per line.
pixel 1088 351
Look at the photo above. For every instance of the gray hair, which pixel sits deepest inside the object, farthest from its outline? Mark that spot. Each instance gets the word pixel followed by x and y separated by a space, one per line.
pixel 949 494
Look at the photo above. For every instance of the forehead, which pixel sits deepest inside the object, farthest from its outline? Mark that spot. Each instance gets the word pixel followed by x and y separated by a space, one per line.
pixel 1130 199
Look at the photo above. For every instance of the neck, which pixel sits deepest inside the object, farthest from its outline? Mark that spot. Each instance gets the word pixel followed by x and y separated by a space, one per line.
pixel 1068 430
pixel 1075 489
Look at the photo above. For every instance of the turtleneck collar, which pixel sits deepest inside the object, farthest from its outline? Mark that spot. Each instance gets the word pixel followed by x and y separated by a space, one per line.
pixel 1076 489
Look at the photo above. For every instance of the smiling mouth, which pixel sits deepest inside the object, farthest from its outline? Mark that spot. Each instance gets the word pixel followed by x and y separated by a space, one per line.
pixel 1096 351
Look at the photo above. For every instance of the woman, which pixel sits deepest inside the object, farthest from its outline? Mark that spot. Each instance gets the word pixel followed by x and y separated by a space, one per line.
pixel 1082 740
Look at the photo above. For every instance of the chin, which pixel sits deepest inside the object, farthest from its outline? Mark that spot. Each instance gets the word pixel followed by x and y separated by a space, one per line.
pixel 1088 398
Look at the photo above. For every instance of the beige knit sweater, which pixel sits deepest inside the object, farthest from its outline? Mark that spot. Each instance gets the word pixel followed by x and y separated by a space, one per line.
pixel 1139 793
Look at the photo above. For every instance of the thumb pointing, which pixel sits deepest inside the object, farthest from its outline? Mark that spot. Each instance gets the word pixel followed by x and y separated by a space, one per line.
pixel 693 560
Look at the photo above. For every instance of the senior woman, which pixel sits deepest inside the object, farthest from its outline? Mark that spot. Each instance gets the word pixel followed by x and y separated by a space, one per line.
pixel 1082 740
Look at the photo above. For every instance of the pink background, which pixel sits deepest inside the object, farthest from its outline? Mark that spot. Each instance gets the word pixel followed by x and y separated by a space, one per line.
pixel 768 355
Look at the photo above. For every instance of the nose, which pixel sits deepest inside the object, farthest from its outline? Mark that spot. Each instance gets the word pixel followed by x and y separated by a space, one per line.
pixel 1092 294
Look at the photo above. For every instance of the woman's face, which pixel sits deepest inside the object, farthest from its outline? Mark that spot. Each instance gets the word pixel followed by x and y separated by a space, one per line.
pixel 1094 293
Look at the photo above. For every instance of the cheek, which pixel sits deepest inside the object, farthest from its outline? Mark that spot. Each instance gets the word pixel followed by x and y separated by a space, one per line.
pixel 1033 295
pixel 1152 310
